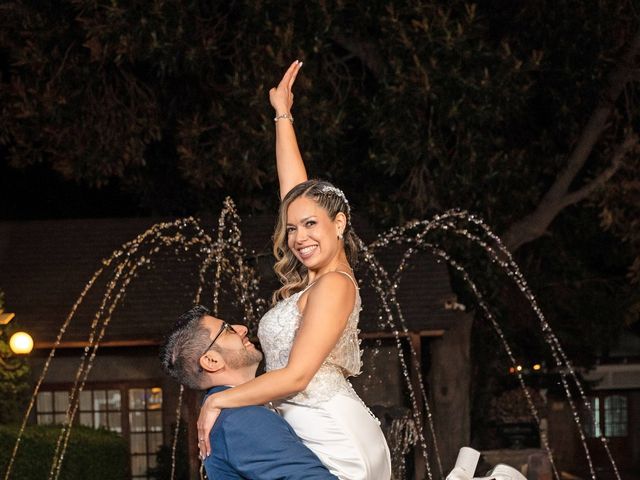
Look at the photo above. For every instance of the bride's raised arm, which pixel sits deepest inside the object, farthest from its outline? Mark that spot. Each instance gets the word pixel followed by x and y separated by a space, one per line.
pixel 289 162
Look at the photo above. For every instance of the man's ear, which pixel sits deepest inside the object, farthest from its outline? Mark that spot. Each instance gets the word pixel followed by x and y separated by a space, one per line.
pixel 211 361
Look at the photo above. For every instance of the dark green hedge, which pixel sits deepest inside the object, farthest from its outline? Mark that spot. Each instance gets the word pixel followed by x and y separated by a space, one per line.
pixel 91 454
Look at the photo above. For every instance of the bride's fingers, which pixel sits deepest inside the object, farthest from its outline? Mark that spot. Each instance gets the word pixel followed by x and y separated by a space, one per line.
pixel 208 425
pixel 294 75
pixel 201 444
pixel 207 446
pixel 287 75
pixel 205 423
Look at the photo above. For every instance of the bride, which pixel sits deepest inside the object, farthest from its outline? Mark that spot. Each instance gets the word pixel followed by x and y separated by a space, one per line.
pixel 310 336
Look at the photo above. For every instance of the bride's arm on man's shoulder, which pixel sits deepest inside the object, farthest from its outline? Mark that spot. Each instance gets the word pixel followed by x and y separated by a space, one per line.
pixel 289 163
pixel 325 316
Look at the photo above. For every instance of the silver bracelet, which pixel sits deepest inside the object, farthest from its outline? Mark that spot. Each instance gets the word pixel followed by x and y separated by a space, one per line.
pixel 282 116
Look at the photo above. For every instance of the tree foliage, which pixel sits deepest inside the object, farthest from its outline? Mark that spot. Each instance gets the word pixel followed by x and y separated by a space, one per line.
pixel 468 105
pixel 14 377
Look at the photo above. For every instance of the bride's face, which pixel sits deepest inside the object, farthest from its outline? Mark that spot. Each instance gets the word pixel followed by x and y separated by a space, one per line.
pixel 311 235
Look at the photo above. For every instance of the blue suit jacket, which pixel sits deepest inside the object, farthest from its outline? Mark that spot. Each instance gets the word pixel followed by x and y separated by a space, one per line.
pixel 256 443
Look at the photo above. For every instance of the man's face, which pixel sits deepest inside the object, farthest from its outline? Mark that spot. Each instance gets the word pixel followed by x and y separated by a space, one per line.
pixel 234 346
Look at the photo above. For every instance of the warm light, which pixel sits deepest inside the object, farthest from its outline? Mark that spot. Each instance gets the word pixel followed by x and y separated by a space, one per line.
pixel 537 367
pixel 5 318
pixel 21 343
pixel 512 370
pixel 519 368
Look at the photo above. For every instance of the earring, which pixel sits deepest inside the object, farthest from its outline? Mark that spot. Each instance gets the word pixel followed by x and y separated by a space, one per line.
pixel 340 236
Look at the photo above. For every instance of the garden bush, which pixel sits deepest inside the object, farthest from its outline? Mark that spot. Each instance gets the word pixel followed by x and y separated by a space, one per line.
pixel 94 454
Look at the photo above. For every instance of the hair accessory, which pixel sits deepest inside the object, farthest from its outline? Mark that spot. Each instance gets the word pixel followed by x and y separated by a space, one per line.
pixel 335 191
pixel 330 189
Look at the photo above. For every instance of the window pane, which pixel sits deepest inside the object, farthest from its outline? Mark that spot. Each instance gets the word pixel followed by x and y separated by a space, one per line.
pixel 152 461
pixel 101 419
pixel 45 403
pixel 60 401
pixel 99 400
pixel 85 401
pixel 59 418
pixel 86 419
pixel 136 399
pixel 115 422
pixel 46 419
pixel 139 465
pixel 615 416
pixel 592 420
pixel 154 421
pixel 155 442
pixel 138 443
pixel 113 398
pixel 145 426
pixel 155 398
pixel 137 421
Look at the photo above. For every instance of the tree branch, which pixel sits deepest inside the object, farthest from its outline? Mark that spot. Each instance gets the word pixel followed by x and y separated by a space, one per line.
pixel 367 52
pixel 597 123
pixel 630 142
pixel 558 197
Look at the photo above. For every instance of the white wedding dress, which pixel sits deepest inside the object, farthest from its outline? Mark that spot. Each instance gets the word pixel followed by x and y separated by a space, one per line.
pixel 328 415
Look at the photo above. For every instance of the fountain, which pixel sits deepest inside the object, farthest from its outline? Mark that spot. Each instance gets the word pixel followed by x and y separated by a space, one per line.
pixel 222 261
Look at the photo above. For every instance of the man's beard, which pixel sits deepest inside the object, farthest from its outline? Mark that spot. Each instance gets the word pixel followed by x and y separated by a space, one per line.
pixel 236 359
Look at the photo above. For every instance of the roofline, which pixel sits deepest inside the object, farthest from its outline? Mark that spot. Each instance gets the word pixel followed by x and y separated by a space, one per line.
pixel 154 343
pixel 110 343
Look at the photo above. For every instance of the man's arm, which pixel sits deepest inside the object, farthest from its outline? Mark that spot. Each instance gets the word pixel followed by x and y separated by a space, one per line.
pixel 261 445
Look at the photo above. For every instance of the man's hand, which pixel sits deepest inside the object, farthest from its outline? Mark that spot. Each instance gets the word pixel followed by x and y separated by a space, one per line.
pixel 281 97
pixel 208 416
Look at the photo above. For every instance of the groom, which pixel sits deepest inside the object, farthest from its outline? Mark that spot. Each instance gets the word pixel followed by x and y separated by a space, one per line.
pixel 205 353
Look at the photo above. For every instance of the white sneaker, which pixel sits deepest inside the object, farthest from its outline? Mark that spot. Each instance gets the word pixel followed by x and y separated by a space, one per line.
pixel 503 472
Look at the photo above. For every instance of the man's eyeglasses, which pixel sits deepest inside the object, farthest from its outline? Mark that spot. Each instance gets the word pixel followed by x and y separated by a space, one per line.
pixel 225 327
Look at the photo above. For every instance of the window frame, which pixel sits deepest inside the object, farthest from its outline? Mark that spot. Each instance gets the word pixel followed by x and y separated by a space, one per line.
pixel 124 388
pixel 599 398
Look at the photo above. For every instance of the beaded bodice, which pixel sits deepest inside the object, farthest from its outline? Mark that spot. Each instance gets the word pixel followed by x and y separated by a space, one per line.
pixel 277 332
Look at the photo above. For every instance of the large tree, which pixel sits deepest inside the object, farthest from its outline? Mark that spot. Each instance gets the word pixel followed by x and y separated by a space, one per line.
pixel 459 104
pixel 522 112
pixel 516 111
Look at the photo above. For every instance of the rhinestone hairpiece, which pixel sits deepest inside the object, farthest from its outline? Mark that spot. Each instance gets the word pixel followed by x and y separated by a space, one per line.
pixel 335 191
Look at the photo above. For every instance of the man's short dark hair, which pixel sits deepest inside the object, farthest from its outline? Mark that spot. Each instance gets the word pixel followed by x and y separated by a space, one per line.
pixel 184 345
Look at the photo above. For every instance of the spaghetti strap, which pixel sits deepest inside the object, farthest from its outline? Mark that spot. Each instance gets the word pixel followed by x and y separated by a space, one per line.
pixel 337 271
pixel 350 278
pixel 307 287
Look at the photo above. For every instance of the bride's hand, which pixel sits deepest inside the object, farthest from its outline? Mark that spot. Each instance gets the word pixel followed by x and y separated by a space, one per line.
pixel 281 97
pixel 206 419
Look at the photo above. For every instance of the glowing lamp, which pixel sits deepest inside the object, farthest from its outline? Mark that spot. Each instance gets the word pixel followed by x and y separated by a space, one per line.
pixel 519 368
pixel 537 367
pixel 21 343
